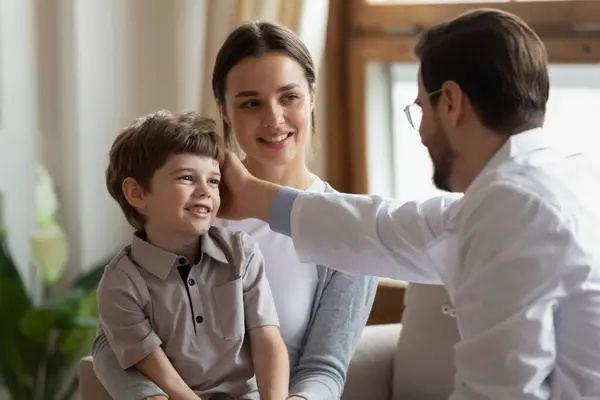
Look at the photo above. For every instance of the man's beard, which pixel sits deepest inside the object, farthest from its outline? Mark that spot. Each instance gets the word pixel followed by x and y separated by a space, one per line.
pixel 442 162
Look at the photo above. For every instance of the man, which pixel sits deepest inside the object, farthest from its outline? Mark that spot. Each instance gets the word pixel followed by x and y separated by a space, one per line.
pixel 518 254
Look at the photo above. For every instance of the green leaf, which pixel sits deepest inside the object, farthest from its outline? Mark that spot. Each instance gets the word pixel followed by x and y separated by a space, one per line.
pixel 57 369
pixel 77 343
pixel 91 279
pixel 10 361
pixel 78 339
pixel 59 313
pixel 14 303
pixel 14 299
pixel 37 323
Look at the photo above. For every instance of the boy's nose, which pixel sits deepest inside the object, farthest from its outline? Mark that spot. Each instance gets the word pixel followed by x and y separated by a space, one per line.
pixel 202 191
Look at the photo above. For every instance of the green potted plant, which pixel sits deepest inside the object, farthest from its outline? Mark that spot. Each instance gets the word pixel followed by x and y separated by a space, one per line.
pixel 41 341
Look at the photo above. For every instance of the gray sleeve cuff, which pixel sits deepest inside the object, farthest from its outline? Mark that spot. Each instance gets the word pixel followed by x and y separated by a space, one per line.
pixel 313 390
pixel 281 210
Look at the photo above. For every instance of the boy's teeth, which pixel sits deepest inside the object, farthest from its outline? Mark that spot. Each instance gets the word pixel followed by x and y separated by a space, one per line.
pixel 199 210
pixel 279 138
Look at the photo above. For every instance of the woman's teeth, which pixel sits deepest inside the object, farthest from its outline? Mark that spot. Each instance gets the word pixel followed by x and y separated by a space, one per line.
pixel 276 139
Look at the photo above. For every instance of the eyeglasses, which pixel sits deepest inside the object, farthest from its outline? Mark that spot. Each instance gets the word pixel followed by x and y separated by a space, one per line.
pixel 414 111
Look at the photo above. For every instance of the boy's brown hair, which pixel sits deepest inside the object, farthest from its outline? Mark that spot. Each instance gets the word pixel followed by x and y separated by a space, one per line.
pixel 144 147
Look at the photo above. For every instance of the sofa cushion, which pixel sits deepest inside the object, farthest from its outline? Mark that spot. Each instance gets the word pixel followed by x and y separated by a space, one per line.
pixel 424 365
pixel 91 388
pixel 370 374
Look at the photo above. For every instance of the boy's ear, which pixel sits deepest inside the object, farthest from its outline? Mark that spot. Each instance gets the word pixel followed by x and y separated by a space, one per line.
pixel 223 113
pixel 134 193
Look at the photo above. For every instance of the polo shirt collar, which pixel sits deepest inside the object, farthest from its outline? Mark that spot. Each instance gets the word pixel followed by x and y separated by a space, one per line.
pixel 159 262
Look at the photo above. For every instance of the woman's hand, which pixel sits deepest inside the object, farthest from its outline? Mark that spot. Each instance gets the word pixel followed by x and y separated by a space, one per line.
pixel 242 195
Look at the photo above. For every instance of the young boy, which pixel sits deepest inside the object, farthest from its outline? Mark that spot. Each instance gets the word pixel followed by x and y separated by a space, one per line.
pixel 180 302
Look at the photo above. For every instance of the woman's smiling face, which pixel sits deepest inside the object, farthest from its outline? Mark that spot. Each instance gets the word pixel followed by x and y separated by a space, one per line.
pixel 268 105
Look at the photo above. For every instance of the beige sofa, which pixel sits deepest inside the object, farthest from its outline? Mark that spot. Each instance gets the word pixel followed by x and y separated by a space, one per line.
pixel 412 361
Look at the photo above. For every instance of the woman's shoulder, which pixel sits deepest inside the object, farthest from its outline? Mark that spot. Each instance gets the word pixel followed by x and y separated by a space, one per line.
pixel 320 185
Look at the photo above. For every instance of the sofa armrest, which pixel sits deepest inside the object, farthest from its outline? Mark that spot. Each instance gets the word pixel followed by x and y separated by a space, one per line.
pixel 91 388
pixel 371 372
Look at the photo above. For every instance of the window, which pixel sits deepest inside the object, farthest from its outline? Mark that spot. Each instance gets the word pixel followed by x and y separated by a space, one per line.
pixel 370 49
pixel 399 164
pixel 401 2
pixel 573 112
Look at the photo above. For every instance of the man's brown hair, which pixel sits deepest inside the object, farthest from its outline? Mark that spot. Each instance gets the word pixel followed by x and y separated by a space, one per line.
pixel 498 61
pixel 145 146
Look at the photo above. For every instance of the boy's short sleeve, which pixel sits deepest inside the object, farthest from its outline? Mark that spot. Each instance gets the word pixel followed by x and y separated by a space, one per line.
pixel 127 328
pixel 259 306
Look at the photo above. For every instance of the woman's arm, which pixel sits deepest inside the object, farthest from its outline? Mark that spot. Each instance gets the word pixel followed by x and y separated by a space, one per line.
pixel 340 317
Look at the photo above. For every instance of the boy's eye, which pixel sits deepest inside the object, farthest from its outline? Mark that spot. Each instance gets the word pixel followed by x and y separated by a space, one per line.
pixel 214 181
pixel 187 178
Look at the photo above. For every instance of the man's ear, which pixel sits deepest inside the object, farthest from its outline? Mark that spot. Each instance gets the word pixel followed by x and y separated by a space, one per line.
pixel 223 113
pixel 452 98
pixel 134 193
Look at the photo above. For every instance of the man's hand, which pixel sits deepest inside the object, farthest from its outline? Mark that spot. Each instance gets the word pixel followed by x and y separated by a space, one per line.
pixel 242 195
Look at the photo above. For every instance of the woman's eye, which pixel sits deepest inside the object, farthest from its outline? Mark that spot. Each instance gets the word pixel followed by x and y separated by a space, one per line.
pixel 290 97
pixel 250 104
pixel 214 181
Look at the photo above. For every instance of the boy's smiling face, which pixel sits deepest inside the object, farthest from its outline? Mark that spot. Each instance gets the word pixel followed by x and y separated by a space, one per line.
pixel 183 198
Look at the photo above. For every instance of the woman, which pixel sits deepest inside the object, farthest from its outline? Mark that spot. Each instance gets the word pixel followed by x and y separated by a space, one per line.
pixel 264 83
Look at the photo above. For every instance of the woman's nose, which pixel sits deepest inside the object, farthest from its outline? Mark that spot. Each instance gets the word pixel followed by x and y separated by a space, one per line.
pixel 273 115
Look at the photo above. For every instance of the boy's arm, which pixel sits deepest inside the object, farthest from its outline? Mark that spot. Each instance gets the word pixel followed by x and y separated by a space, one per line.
pixel 269 353
pixel 157 367
pixel 130 335
pixel 271 362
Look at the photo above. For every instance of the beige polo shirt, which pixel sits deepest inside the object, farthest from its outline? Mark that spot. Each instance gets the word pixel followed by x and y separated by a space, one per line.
pixel 198 313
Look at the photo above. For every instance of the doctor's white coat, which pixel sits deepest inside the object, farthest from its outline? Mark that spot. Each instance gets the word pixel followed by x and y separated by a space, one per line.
pixel 519 255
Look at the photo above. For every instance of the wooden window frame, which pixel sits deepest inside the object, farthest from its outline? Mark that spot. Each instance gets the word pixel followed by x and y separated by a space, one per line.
pixel 360 32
